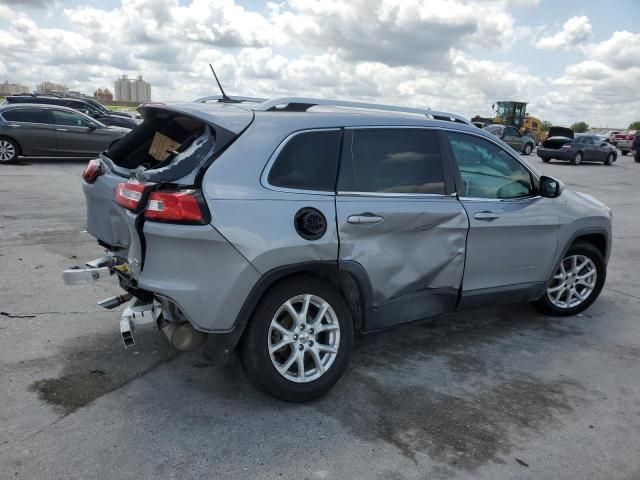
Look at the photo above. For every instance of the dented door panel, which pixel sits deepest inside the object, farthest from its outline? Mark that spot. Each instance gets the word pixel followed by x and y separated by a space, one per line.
pixel 414 256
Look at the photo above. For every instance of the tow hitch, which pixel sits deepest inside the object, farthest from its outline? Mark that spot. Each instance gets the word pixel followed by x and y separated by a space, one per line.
pixel 136 314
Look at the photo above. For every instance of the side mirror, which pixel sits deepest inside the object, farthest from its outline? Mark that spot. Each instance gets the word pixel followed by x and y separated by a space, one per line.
pixel 550 187
pixel 91 126
pixel 604 144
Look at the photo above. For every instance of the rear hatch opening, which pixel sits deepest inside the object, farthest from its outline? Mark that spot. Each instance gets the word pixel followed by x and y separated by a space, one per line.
pixel 557 137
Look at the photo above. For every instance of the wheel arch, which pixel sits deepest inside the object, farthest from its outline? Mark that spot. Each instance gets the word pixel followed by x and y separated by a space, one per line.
pixel 349 278
pixel 8 137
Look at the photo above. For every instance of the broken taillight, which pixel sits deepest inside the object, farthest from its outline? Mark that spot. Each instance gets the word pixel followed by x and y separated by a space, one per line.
pixel 93 171
pixel 131 194
pixel 182 206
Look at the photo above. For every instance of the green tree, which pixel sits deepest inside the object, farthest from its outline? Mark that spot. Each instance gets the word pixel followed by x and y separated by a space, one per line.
pixel 545 126
pixel 634 125
pixel 580 127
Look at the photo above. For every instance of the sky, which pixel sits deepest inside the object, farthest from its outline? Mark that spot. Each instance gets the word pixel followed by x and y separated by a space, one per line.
pixel 570 60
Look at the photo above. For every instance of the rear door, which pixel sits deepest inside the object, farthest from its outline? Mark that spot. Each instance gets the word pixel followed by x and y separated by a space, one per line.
pixel 32 128
pixel 513 232
pixel 398 221
pixel 75 136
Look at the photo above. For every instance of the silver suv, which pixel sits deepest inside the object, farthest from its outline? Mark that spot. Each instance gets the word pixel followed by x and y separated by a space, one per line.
pixel 285 227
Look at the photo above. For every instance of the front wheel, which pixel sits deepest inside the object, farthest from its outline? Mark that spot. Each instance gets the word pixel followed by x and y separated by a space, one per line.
pixel 610 158
pixel 577 159
pixel 299 340
pixel 576 283
pixel 528 148
pixel 546 160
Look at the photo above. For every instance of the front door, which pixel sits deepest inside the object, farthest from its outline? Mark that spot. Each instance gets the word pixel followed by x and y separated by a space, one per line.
pixel 513 138
pixel 513 232
pixel 398 221
pixel 74 136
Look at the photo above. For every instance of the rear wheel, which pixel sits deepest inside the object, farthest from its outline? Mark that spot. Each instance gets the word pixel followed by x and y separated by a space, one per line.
pixel 528 148
pixel 610 158
pixel 576 283
pixel 546 160
pixel 637 158
pixel 624 152
pixel 8 150
pixel 299 340
pixel 577 159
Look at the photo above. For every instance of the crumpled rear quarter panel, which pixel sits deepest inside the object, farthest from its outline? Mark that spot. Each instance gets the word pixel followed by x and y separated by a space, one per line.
pixel 199 270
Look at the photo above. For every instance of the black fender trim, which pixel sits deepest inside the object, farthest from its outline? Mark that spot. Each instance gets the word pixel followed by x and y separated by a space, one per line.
pixel 578 233
pixel 327 268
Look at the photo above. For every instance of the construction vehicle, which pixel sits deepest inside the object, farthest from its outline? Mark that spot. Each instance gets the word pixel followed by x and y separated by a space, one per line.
pixel 514 114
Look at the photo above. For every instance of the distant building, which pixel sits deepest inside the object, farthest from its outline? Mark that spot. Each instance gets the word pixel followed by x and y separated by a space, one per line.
pixel 50 88
pixel 7 88
pixel 132 90
pixel 103 95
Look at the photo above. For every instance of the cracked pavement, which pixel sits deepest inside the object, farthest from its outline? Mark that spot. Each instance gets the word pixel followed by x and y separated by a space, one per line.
pixel 500 392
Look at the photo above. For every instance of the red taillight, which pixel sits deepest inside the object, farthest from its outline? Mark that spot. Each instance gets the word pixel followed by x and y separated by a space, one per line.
pixel 183 206
pixel 93 171
pixel 130 194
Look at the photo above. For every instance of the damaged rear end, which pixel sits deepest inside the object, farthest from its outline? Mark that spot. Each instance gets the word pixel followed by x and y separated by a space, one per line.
pixel 143 195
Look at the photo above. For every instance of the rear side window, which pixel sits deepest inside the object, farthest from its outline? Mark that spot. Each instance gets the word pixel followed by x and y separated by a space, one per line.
pixel 309 161
pixel 28 115
pixel 394 160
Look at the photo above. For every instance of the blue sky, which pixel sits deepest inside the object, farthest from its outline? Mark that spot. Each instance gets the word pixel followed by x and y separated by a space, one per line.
pixel 571 60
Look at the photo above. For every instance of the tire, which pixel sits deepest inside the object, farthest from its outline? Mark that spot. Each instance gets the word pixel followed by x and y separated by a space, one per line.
pixel 624 152
pixel 610 159
pixel 261 335
pixel 637 158
pixel 528 148
pixel 582 251
pixel 9 150
pixel 545 159
pixel 577 159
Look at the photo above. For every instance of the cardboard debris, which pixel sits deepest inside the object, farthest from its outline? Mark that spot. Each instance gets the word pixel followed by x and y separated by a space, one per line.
pixel 162 146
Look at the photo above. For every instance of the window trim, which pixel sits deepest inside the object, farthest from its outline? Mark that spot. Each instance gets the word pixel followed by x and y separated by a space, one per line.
pixel 445 169
pixel 454 163
pixel 264 177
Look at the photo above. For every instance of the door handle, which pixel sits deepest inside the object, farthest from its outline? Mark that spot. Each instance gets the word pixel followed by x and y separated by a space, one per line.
pixel 485 216
pixel 364 219
pixel 62 130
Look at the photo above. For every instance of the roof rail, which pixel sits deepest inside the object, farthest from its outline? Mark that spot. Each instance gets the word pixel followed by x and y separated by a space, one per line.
pixel 302 104
pixel 211 98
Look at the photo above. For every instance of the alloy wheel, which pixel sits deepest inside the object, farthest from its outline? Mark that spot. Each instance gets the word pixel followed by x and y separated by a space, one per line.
pixel 573 282
pixel 7 151
pixel 304 338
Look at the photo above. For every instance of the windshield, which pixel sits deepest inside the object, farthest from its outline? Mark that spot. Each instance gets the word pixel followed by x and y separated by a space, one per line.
pixel 97 105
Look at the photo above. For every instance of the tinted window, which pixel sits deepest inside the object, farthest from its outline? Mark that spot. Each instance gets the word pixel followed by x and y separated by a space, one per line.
pixel 30 115
pixel 512 132
pixel 68 118
pixel 487 170
pixel 392 161
pixel 309 161
pixel 495 130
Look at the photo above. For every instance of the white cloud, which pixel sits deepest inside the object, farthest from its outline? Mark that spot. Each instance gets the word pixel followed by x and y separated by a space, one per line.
pixel 414 52
pixel 575 32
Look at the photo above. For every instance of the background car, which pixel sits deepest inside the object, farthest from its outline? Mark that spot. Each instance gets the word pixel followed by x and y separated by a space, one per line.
pixel 635 148
pixel 511 136
pixel 563 144
pixel 49 131
pixel 624 140
pixel 87 106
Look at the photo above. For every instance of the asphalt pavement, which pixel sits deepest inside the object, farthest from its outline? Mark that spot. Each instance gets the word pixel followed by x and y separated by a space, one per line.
pixel 495 393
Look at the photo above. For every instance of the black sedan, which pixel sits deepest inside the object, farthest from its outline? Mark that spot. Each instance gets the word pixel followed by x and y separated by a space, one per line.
pixel 563 144
pixel 49 131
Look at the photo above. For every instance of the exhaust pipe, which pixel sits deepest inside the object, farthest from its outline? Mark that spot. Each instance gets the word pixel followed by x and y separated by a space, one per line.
pixel 116 301
pixel 182 336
